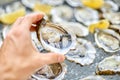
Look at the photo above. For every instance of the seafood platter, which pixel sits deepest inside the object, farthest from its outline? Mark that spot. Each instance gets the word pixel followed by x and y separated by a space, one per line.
pixel 87 32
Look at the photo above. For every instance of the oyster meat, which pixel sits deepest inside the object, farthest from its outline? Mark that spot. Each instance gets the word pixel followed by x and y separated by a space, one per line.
pixel 55 38
pixel 93 78
pixel 109 66
pixel 51 72
pixel 78 29
pixel 108 39
pixel 61 14
pixel 54 2
pixel 83 54
pixel 85 15
pixel 74 3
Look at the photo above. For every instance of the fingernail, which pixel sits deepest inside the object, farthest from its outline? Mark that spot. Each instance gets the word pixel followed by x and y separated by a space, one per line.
pixel 61 58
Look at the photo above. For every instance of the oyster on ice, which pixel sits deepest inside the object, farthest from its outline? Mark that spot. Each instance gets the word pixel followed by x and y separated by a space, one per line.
pixel 61 13
pixel 53 2
pixel 83 54
pixel 74 3
pixel 108 39
pixel 85 15
pixel 109 66
pixel 55 38
pixel 51 72
pixel 93 78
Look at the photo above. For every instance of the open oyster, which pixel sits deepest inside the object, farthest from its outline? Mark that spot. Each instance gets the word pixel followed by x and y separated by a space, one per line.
pixel 85 15
pixel 78 29
pixel 108 39
pixel 83 54
pixel 51 72
pixel 55 38
pixel 61 14
pixel 93 78
pixel 110 6
pixel 113 17
pixel 53 2
pixel 74 3
pixel 109 66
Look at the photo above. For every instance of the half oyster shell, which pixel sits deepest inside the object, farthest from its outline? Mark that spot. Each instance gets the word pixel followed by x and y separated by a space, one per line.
pixel 108 39
pixel 83 54
pixel 61 13
pixel 51 72
pixel 54 2
pixel 109 66
pixel 55 38
pixel 74 3
pixel 85 15
pixel 93 78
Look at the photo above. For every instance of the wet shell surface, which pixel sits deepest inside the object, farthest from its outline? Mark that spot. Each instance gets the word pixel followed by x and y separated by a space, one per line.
pixel 93 78
pixel 109 66
pixel 85 15
pixel 113 17
pixel 83 54
pixel 61 14
pixel 51 72
pixel 78 29
pixel 108 39
pixel 53 2
pixel 55 38
pixel 109 6
pixel 74 3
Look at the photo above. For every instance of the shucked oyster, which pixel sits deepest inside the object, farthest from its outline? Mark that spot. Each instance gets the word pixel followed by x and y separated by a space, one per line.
pixel 93 78
pixel 61 14
pixel 109 66
pixel 83 54
pixel 86 15
pixel 108 39
pixel 74 3
pixel 78 29
pixel 55 38
pixel 51 72
pixel 54 2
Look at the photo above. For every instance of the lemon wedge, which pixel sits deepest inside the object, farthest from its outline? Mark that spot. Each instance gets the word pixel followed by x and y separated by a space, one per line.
pixel 95 4
pixel 102 24
pixel 9 18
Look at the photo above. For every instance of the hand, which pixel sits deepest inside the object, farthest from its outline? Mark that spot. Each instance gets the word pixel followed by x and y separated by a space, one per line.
pixel 18 57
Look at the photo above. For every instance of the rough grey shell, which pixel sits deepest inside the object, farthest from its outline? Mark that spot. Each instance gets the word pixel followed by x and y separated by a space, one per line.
pixel 55 38
pixel 74 3
pixel 51 72
pixel 95 77
pixel 53 2
pixel 108 39
pixel 83 54
pixel 109 66
pixel 85 15
pixel 61 13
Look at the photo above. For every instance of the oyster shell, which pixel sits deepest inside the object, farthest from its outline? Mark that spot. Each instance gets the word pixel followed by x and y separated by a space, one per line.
pixel 109 66
pixel 113 17
pixel 5 30
pixel 109 6
pixel 78 29
pixel 2 11
pixel 51 72
pixel 108 39
pixel 115 27
pixel 61 14
pixel 54 2
pixel 74 3
pixel 85 15
pixel 55 38
pixel 93 78
pixel 83 54
pixel 1 40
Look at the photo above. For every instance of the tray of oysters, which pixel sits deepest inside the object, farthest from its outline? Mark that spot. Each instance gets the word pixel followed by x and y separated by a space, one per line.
pixel 87 32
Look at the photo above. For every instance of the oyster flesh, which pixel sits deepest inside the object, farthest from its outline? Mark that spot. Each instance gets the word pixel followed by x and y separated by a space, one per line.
pixel 74 3
pixel 55 38
pixel 51 72
pixel 109 66
pixel 108 39
pixel 61 14
pixel 93 78
pixel 83 54
pixel 85 15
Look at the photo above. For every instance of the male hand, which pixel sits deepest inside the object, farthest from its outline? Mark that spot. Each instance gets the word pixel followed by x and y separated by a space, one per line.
pixel 18 57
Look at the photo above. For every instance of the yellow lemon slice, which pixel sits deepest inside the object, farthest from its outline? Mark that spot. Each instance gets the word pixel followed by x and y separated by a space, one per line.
pixel 103 24
pixel 95 4
pixel 9 18
pixel 42 8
